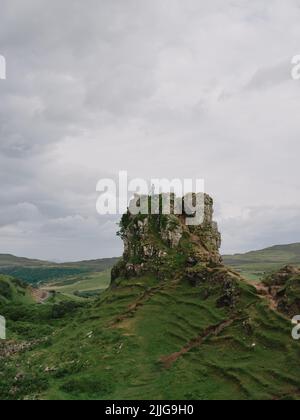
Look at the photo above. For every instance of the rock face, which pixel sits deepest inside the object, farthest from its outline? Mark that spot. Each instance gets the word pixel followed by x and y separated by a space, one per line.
pixel 284 286
pixel 162 243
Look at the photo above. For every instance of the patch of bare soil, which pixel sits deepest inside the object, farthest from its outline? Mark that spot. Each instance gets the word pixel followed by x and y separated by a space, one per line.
pixel 39 295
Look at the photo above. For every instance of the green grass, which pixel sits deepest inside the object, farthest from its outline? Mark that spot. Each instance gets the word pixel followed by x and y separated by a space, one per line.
pixel 93 282
pixel 37 272
pixel 88 355
pixel 254 265
pixel 13 291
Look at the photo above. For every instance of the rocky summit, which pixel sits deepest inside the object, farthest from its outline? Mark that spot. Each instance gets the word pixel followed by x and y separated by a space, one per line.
pixel 162 243
pixel 167 247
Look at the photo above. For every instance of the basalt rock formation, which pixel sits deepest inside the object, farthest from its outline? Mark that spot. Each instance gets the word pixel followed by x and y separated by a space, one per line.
pixel 158 242
pixel 166 246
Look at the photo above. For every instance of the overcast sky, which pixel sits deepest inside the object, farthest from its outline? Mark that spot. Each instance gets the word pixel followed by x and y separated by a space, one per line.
pixel 161 88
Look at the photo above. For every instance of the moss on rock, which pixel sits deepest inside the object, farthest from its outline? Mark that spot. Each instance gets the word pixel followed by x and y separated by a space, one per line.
pixel 163 243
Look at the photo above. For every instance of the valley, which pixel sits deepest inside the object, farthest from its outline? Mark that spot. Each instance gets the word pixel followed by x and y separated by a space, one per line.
pixel 37 272
pixel 86 286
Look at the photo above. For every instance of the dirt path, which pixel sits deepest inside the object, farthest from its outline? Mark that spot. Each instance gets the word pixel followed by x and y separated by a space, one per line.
pixel 264 293
pixel 211 331
pixel 140 302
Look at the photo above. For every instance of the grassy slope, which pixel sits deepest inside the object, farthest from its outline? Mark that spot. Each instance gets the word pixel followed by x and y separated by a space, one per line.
pixel 89 355
pixel 13 291
pixel 256 263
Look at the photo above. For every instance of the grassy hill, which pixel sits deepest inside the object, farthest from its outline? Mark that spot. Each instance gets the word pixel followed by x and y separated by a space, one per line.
pixel 35 271
pixel 8 260
pixel 150 339
pixel 256 263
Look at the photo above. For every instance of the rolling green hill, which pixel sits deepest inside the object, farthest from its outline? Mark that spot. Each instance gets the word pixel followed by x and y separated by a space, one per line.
pixel 256 263
pixel 8 260
pixel 35 271
pixel 150 339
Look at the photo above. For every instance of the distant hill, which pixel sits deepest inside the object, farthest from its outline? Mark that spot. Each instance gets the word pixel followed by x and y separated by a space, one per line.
pixel 255 263
pixel 8 260
pixel 35 271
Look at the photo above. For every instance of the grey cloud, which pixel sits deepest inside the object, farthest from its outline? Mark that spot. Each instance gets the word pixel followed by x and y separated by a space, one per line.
pixel 261 227
pixel 267 77
pixel 162 89
pixel 19 212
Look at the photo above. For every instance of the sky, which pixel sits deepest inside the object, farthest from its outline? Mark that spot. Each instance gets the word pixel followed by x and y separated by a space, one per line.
pixel 160 88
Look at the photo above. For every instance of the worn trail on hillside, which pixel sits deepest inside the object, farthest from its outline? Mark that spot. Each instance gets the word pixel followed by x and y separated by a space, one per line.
pixel 211 331
pixel 140 302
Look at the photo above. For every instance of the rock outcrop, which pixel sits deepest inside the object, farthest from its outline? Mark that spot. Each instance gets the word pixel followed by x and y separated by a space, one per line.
pixel 284 287
pixel 162 243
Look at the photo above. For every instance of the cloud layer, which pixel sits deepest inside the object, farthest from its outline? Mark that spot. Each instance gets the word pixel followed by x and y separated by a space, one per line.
pixel 161 89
